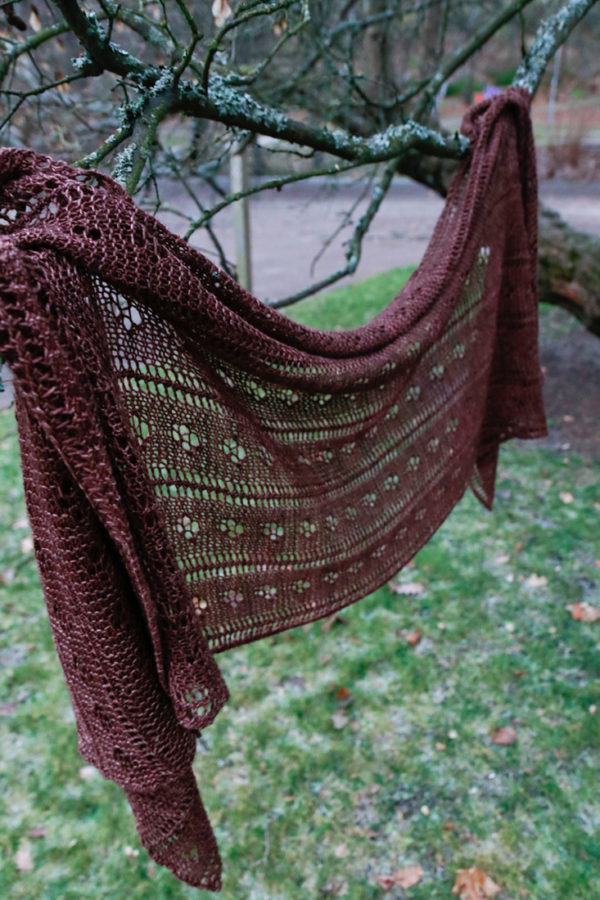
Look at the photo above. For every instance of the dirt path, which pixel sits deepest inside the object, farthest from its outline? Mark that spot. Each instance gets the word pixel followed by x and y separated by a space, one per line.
pixel 290 227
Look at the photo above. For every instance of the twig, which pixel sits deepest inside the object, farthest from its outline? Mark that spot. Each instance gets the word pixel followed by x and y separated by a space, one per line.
pixel 464 53
pixel 245 16
pixel 272 184
pixel 355 244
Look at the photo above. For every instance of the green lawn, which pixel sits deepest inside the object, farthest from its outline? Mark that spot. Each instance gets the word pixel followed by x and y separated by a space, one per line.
pixel 346 754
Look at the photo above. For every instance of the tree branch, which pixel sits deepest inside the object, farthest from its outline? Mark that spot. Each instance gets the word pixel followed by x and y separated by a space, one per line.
pixel 223 104
pixel 548 39
pixel 464 53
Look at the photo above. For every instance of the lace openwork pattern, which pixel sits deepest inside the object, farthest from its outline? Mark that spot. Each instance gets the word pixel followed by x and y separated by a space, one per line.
pixel 202 472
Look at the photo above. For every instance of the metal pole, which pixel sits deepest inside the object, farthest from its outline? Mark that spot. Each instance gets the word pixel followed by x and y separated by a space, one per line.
pixel 554 90
pixel 238 170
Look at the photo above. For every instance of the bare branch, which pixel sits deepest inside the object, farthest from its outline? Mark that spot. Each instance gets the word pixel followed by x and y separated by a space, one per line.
pixel 223 104
pixel 236 80
pixel 464 53
pixel 548 39
pixel 103 52
pixel 32 43
pixel 354 250
pixel 245 13
pixel 272 184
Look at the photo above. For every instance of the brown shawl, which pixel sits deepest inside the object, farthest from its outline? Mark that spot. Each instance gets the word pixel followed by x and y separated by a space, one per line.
pixel 201 472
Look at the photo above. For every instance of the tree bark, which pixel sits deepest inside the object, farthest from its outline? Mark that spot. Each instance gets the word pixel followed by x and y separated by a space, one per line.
pixel 569 271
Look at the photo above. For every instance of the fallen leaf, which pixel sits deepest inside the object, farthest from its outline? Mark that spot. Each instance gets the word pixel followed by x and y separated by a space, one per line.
pixel 409 876
pixel 597 563
pixel 38 832
pixel 566 497
pixel 504 736
pixel 26 545
pixel 413 637
pixel 503 558
pixel 335 887
pixel 343 693
pixel 339 720
pixel 221 11
pixel 341 851
pixel 404 878
pixel 536 580
pixel 23 857
pixel 474 884
pixel 7 577
pixel 584 612
pixel 411 588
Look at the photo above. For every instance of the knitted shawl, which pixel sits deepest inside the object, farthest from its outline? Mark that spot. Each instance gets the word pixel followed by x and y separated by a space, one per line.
pixel 201 472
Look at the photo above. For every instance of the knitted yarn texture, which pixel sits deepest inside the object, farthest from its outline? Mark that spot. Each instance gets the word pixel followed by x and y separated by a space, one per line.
pixel 201 472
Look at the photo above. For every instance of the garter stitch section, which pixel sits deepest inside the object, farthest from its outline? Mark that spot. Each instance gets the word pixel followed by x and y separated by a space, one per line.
pixel 201 472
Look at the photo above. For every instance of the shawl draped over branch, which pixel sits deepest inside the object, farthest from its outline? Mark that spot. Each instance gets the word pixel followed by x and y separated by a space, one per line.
pixel 201 472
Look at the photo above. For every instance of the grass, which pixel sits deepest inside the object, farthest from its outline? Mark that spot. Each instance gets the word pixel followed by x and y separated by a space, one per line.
pixel 303 808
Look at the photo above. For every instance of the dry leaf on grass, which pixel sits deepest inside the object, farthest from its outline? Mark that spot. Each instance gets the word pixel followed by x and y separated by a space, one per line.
pixel 566 497
pixel 335 887
pixel 412 638
pixel 404 878
pixel 474 884
pixel 23 858
pixel 504 736
pixel 536 580
pixel 584 612
pixel 343 696
pixel 409 589
pixel 339 720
